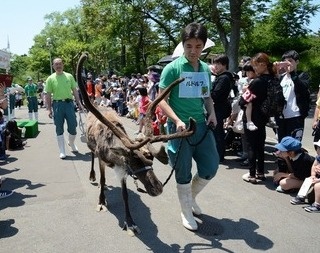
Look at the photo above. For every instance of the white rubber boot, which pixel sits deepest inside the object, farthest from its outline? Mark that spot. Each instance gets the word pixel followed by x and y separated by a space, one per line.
pixel 30 116
pixel 71 143
pixel 197 186
pixel 36 116
pixel 60 139
pixel 185 199
pixel 13 116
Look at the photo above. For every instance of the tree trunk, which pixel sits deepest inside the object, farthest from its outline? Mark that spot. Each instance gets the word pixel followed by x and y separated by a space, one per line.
pixel 230 41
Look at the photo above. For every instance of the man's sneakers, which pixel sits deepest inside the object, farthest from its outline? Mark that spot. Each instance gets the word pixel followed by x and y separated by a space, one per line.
pixel 4 194
pixel 297 200
pixel 251 126
pixel 314 208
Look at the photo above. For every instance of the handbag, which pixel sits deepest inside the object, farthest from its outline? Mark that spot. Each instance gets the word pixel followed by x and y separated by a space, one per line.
pixel 238 124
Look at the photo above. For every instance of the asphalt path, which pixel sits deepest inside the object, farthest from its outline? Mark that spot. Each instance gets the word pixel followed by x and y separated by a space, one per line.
pixel 53 208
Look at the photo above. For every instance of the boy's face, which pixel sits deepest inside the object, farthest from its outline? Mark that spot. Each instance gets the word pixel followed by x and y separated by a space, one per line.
pixel 219 67
pixel 251 74
pixel 193 49
pixel 282 154
pixel 293 64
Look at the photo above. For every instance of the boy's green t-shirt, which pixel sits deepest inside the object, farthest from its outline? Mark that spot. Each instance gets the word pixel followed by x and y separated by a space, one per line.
pixel 184 108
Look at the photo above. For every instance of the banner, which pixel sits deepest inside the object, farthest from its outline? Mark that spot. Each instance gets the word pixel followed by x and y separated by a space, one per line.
pixel 6 79
pixel 4 59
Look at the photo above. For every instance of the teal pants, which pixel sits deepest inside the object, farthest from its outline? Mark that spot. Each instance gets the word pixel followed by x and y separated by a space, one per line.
pixel 64 111
pixel 201 146
pixel 32 104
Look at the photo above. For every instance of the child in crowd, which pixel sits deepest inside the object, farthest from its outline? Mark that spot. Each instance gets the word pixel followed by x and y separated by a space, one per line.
pixel 299 164
pixel 98 91
pixel 114 97
pixel 130 106
pixel 144 102
pixel 248 96
pixel 161 120
pixel 315 177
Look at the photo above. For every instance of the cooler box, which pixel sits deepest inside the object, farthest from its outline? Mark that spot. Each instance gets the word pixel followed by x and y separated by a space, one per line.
pixel 31 127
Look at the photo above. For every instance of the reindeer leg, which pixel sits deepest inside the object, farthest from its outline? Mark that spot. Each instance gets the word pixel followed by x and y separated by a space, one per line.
pixel 129 224
pixel 92 176
pixel 102 206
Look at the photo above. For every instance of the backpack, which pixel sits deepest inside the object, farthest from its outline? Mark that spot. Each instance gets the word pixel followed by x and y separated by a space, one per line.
pixel 13 136
pixel 275 102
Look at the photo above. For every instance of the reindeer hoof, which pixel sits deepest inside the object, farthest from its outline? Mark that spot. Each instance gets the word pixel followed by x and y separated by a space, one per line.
pixel 92 179
pixel 101 207
pixel 132 230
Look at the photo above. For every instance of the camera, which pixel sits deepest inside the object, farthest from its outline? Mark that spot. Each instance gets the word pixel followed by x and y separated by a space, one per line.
pixel 282 65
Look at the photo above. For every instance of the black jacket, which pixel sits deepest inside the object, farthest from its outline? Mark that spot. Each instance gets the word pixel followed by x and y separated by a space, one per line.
pixel 220 94
pixel 259 88
pixel 302 93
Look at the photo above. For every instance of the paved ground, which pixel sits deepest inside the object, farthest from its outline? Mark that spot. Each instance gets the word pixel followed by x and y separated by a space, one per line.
pixel 53 207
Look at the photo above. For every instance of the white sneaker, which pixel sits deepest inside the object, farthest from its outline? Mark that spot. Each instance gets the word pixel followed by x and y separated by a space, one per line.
pixel 279 189
pixel 246 177
pixel 251 126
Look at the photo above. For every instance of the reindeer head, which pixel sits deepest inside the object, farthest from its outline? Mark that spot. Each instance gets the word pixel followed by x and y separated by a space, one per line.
pixel 139 169
pixel 136 155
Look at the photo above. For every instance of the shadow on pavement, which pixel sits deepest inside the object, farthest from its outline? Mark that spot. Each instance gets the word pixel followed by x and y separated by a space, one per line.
pixel 141 216
pixel 215 231
pixel 6 228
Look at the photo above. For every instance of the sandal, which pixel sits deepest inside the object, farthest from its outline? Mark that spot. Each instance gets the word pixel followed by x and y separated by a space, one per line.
pixel 250 179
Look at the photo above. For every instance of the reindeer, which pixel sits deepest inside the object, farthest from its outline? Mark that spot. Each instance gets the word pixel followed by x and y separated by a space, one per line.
pixel 107 139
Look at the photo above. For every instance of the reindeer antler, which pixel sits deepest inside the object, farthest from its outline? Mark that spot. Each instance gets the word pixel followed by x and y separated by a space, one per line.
pixel 150 113
pixel 130 144
pixel 117 131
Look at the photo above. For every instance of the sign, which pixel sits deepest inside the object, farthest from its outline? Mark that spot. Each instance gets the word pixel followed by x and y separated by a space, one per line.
pixel 195 85
pixel 6 79
pixel 4 59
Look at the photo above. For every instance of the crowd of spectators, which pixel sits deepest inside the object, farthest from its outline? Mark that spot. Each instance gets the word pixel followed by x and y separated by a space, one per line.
pixel 129 97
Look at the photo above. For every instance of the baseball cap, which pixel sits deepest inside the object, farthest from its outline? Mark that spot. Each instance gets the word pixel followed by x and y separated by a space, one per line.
pixel 288 143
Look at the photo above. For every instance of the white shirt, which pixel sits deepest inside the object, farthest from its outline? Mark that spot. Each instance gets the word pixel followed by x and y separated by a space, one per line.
pixel 291 110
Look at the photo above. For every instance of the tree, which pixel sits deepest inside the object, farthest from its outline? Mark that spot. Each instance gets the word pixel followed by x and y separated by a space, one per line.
pixel 285 27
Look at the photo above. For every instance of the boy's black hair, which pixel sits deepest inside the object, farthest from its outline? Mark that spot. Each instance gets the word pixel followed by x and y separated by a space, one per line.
pixel 222 59
pixel 290 54
pixel 194 30
pixel 247 67
pixel 143 91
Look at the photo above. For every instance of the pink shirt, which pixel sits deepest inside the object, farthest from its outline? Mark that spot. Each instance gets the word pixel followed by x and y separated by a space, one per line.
pixel 143 104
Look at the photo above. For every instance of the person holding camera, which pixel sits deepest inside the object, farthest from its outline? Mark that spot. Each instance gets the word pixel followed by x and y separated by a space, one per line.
pixel 297 94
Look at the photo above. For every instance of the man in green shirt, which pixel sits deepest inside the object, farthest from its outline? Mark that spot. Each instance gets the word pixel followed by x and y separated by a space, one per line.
pixel 30 90
pixel 61 87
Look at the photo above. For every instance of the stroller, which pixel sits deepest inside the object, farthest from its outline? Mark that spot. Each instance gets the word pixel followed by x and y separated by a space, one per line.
pixel 232 140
